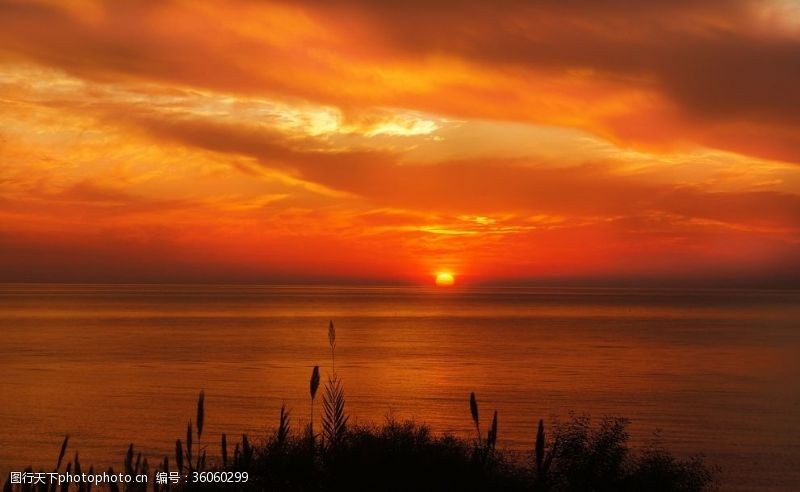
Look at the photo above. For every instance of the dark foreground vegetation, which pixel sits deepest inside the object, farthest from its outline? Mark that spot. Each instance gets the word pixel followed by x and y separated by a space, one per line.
pixel 572 456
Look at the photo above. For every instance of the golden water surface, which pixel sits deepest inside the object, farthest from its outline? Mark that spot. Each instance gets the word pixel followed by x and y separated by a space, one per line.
pixel 716 372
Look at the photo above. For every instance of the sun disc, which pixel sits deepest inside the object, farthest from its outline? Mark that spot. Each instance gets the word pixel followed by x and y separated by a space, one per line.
pixel 444 279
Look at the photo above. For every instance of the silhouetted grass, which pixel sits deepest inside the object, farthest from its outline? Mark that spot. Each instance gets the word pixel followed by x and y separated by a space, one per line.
pixel 577 455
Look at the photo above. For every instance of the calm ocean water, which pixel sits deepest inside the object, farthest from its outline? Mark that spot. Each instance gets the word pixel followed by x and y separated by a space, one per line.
pixel 716 372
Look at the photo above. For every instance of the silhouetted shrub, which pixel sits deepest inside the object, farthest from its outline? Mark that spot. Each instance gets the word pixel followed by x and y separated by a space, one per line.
pixel 402 456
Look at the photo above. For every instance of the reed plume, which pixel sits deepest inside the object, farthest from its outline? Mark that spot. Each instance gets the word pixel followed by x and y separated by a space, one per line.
pixel 473 408
pixel 332 343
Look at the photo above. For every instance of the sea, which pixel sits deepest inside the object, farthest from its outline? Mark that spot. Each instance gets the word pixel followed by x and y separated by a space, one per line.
pixel 699 371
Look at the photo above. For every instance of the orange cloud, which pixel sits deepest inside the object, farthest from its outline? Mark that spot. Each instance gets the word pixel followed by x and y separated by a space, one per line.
pixel 713 69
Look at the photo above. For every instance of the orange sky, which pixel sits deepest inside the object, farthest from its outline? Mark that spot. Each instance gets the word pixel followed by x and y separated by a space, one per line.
pixel 502 141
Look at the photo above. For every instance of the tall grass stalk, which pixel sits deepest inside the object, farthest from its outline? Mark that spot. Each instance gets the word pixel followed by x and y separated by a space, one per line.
pixel 334 421
pixel 201 414
pixel 112 487
pixel 543 458
pixel 63 451
pixel 283 431
pixel 313 387
pixel 334 418
pixel 179 454
pixel 491 438
pixel 189 445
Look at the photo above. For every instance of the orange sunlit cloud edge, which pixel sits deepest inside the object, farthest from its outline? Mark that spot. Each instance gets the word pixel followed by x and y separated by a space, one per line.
pixel 500 145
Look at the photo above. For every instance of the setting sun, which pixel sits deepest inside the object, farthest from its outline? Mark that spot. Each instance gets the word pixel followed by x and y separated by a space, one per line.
pixel 444 279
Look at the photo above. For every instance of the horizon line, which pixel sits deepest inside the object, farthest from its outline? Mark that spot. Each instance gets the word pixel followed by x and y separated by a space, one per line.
pixel 321 283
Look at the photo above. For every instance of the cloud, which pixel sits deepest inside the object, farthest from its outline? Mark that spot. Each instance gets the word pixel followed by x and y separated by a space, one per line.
pixel 478 185
pixel 708 72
